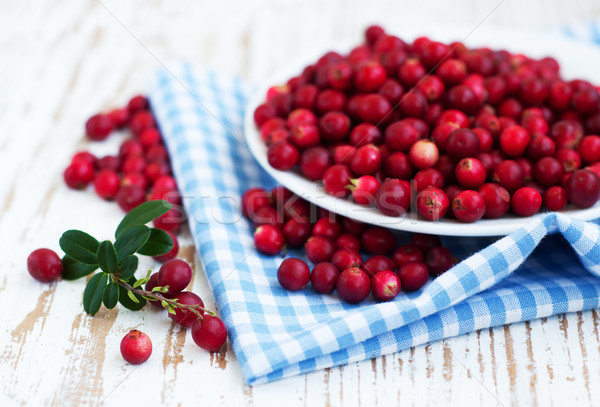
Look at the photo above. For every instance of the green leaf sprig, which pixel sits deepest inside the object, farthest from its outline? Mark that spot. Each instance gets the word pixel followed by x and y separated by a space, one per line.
pixel 116 282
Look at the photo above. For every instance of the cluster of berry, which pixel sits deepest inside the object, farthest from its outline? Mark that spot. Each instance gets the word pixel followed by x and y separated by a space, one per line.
pixel 334 244
pixel 463 133
pixel 140 171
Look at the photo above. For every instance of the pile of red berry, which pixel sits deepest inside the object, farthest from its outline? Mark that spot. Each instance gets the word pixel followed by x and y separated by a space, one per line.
pixel 334 244
pixel 140 171
pixel 460 132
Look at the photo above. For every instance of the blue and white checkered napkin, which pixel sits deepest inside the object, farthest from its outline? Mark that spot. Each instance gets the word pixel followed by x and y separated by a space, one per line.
pixel 277 333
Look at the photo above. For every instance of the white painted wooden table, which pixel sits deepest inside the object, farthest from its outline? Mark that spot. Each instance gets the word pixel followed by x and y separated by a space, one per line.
pixel 61 61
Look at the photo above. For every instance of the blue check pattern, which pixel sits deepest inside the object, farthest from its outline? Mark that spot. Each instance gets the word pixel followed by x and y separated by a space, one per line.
pixel 548 267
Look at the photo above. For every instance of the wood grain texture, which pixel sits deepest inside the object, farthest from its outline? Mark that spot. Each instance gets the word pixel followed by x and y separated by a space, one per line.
pixel 64 60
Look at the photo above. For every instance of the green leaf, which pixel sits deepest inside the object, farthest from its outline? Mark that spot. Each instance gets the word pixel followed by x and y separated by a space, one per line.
pixel 72 269
pixel 92 295
pixel 132 296
pixel 79 246
pixel 142 214
pixel 160 289
pixel 143 280
pixel 131 240
pixel 107 257
pixel 128 267
pixel 158 243
pixel 127 302
pixel 111 295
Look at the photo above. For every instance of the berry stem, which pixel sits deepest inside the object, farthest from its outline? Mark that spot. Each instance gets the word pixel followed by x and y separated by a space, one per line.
pixel 157 296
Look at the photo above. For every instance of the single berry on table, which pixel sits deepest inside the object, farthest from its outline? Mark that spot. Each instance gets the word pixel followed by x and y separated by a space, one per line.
pixel 44 265
pixel 136 347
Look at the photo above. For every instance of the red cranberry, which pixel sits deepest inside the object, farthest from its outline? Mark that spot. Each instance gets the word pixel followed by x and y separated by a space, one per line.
pixel 171 254
pixel 137 103
pixel 348 241
pixel 364 189
pixel 535 125
pixel 293 274
pixel 106 184
pixel 135 163
pixel 330 100
pixel 432 204
pixel 305 96
pixel 170 221
pixel 496 89
pixel 497 200
pixel 300 115
pixel 559 95
pixel 414 104
pixel 511 108
pixel 339 75
pixel 210 333
pixel 369 77
pixel 378 263
pixel 378 240
pixel 526 201
pixel 345 259
pixel 555 198
pixel 342 154
pixel 397 165
pixel 84 156
pixel 353 227
pixel 462 143
pixel 175 274
pixel 149 138
pixel 539 147
pixel 119 117
pixel 136 347
pixel 130 196
pixel 150 284
pixel 586 101
pixel 282 156
pixel 570 159
pixel 411 72
pixel 268 128
pixel 533 91
pixel 372 33
pixel 407 253
pixel 319 249
pixel 353 285
pixel 583 188
pixel 413 275
pixel 109 162
pixel 185 317
pixel 327 227
pixel 514 141
pixel 157 152
pixel 334 126
pixel 400 136
pixel 324 277
pixel 130 148
pixel 486 140
pixel 439 260
pixel 548 171
pixel 470 173
pixel 391 89
pixel 589 149
pixel 98 127
pixel 463 98
pixel 263 113
pixel 374 108
pixel 429 177
pixel 254 199
pixel 79 174
pixel 566 133
pixel 44 265
pixel 425 242
pixel 386 43
pixel 268 239
pixel 314 162
pixel 296 232
pixel 335 180
pixel 452 71
pixel 267 215
pixel 366 160
pixel 393 197
pixel 363 134
pixel 141 121
pixel 156 169
pixel 386 285
pixel 423 154
pixel 468 206
pixel 509 174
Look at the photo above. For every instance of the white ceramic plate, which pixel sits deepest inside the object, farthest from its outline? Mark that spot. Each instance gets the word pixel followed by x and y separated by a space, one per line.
pixel 577 60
